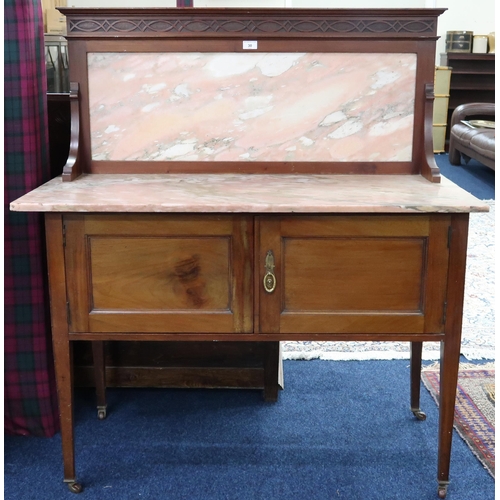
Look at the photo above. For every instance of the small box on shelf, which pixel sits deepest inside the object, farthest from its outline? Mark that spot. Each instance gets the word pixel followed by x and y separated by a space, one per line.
pixel 459 41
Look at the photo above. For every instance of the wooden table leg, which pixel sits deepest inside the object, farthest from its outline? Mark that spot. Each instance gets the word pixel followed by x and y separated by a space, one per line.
pixel 100 377
pixel 272 363
pixel 62 347
pixel 64 379
pixel 450 356
pixel 450 347
pixel 416 369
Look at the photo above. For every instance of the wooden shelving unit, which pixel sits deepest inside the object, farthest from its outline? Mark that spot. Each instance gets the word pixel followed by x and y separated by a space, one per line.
pixel 472 79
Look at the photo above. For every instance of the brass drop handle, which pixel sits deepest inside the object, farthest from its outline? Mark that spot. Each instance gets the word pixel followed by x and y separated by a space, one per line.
pixel 269 278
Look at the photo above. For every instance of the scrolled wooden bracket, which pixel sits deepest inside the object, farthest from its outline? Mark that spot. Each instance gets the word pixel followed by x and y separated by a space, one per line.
pixel 73 167
pixel 429 169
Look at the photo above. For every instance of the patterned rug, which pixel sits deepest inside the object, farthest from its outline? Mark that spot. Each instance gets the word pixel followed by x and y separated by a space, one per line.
pixel 474 410
pixel 478 331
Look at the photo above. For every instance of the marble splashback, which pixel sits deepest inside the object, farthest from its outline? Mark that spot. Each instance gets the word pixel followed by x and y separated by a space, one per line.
pixel 251 106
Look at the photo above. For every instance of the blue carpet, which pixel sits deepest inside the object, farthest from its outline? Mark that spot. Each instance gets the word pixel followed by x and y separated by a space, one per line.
pixel 474 177
pixel 339 430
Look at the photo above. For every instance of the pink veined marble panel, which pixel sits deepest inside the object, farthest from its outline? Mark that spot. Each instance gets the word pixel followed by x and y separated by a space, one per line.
pixel 251 106
pixel 248 193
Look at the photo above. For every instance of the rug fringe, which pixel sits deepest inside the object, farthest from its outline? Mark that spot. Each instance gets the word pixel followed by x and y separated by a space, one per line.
pixel 379 356
pixel 463 366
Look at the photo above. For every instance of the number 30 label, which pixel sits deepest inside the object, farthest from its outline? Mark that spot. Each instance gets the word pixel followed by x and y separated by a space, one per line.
pixel 250 45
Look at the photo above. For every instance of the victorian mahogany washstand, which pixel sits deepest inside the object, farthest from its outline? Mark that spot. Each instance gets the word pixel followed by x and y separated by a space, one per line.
pixel 254 175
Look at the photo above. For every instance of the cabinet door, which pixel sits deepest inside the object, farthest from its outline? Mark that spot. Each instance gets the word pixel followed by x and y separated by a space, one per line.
pixel 369 274
pixel 159 273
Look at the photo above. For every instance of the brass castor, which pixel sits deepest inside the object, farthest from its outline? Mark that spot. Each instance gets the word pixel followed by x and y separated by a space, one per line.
pixel 442 490
pixel 101 413
pixel 419 414
pixel 75 487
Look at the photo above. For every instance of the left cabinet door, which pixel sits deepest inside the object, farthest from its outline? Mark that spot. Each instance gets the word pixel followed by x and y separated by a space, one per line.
pixel 159 273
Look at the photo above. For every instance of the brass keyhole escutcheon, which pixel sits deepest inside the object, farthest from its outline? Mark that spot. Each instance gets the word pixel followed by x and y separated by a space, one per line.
pixel 269 278
pixel 269 282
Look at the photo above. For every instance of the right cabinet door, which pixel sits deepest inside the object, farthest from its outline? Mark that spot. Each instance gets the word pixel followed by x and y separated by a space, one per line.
pixel 371 274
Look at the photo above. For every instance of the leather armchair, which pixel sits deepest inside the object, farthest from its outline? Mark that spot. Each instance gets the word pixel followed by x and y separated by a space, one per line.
pixel 466 142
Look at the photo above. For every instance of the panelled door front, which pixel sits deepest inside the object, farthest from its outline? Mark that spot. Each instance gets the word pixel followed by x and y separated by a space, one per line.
pixel 159 273
pixel 378 274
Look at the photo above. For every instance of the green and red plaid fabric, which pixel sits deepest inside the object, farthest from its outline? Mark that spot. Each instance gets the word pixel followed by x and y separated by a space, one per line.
pixel 184 3
pixel 30 392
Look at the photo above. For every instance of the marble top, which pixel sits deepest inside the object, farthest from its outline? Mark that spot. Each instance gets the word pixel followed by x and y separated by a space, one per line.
pixel 248 193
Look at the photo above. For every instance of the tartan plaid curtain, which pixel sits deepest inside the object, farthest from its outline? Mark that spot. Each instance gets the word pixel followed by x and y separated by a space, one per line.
pixel 30 393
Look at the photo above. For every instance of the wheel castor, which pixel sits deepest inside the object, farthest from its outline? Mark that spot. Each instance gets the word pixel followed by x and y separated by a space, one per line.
pixel 419 414
pixel 101 413
pixel 442 490
pixel 75 487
